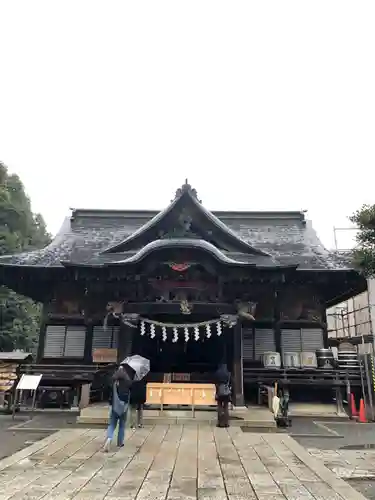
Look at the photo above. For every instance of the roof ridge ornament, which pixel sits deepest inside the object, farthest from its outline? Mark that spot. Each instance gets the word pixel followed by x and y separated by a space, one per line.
pixel 187 188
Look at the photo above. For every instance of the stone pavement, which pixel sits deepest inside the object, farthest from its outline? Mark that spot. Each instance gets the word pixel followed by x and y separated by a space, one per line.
pixel 169 463
pixel 348 464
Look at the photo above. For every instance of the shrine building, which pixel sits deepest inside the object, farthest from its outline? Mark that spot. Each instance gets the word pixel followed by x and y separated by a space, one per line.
pixel 185 287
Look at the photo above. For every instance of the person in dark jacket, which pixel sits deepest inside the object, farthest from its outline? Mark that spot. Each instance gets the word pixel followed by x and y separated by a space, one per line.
pixel 138 394
pixel 223 395
pixel 119 402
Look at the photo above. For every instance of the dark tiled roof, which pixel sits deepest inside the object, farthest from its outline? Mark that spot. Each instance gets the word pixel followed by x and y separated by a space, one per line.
pixel 285 236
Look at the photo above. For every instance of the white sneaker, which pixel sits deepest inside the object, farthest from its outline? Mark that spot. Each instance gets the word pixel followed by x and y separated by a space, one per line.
pixel 107 446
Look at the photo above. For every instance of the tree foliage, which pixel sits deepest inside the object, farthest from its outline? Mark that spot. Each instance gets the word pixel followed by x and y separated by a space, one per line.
pixel 20 230
pixel 364 255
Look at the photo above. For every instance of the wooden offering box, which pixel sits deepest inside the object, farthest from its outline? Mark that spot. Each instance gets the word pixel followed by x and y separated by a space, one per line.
pixel 180 394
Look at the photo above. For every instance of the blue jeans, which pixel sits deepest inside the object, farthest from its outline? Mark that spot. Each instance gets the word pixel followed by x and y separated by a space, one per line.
pixel 113 420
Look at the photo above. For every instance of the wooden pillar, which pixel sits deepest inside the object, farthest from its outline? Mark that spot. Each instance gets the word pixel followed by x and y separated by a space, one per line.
pixel 42 336
pixel 237 376
pixel 85 396
pixel 88 342
pixel 276 325
pixel 339 403
pixel 325 329
pixel 125 342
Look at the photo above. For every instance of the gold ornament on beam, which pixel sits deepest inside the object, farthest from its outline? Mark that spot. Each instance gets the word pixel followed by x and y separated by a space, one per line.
pixel 229 320
pixel 115 307
pixel 247 310
pixel 185 307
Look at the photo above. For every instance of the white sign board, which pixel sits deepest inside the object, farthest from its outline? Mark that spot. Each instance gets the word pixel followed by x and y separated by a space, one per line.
pixel 29 382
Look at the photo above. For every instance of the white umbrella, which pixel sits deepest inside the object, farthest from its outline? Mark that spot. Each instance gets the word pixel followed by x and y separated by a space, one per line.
pixel 139 364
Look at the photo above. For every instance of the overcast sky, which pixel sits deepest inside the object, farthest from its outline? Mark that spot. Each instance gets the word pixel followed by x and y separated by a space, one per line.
pixel 261 105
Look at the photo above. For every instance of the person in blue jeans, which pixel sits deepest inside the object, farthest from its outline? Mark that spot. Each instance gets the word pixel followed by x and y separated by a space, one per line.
pixel 119 403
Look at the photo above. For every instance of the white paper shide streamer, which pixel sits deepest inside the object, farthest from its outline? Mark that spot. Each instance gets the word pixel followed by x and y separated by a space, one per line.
pixel 143 328
pixel 208 330
pixel 190 331
pixel 152 330
pixel 196 332
pixel 175 335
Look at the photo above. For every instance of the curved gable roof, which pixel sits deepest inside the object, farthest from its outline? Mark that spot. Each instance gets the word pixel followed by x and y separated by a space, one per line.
pixel 186 213
pixel 228 258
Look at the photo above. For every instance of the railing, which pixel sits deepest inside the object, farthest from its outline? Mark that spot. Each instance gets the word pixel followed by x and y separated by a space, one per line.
pixel 300 376
pixel 60 372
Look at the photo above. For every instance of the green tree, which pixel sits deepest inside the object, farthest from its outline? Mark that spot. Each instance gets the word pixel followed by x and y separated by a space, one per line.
pixel 364 254
pixel 20 230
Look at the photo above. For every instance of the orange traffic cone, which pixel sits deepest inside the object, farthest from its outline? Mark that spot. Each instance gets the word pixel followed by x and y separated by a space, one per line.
pixel 362 412
pixel 353 409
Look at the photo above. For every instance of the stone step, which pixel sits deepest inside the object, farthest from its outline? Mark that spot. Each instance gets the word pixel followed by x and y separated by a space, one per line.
pixel 256 424
pixel 258 417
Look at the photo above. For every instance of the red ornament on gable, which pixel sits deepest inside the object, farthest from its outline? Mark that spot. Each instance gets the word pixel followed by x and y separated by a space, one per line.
pixel 179 267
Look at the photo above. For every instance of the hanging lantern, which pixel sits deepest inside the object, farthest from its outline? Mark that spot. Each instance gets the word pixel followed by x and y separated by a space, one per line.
pixel 175 334
pixel 219 331
pixel 196 332
pixel 164 333
pixel 143 328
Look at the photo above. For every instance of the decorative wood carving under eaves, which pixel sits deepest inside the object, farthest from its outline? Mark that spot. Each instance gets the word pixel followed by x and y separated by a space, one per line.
pixel 182 227
pixel 299 303
pixel 246 310
pixel 115 307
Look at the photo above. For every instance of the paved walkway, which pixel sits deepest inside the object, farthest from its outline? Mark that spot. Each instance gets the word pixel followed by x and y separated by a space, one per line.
pixel 169 463
pixel 348 464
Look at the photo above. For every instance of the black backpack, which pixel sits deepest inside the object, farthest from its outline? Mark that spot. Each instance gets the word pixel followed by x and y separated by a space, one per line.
pixel 224 390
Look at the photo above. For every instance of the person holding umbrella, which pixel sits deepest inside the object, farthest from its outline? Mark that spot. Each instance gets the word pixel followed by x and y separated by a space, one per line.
pixel 133 368
pixel 119 403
